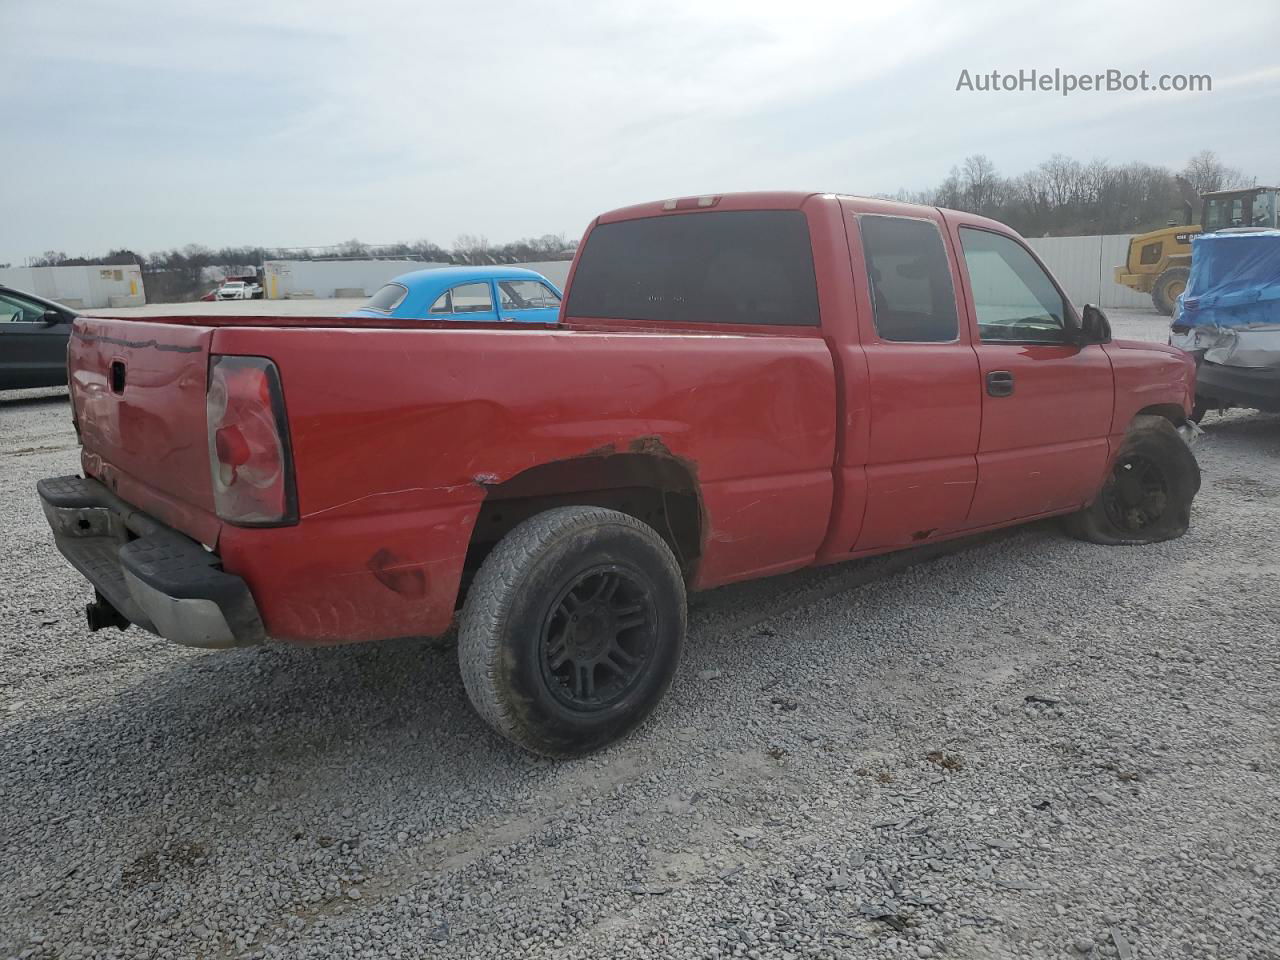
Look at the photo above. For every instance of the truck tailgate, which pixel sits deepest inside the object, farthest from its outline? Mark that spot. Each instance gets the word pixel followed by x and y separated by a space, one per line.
pixel 138 392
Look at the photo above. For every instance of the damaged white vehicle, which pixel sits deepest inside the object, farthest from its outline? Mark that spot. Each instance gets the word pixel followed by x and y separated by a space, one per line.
pixel 1229 320
pixel 239 290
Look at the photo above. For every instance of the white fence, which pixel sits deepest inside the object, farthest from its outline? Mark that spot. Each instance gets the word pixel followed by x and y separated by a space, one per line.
pixel 557 271
pixel 81 288
pixel 1085 266
pixel 324 279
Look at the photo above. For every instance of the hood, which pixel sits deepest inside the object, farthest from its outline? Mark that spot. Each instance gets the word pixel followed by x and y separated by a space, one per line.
pixel 1146 345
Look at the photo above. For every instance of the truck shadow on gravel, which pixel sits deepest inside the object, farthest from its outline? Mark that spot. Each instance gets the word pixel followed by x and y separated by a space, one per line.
pixel 310 728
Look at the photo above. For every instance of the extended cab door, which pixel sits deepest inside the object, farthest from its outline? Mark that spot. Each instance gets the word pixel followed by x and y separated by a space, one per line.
pixel 923 404
pixel 1046 401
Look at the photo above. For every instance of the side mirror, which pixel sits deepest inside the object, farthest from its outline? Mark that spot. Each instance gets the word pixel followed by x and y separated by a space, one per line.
pixel 1094 326
pixel 52 316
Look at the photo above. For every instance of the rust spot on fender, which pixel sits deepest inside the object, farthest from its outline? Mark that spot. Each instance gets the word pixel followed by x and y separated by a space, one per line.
pixel 924 534
pixel 604 450
pixel 408 580
pixel 650 444
pixel 484 479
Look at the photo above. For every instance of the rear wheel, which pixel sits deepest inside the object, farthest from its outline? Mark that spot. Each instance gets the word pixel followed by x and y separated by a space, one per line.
pixel 1147 496
pixel 572 630
pixel 1168 287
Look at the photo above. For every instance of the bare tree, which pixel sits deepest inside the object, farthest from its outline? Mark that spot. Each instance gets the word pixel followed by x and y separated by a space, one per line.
pixel 1206 174
pixel 352 248
pixel 979 183
pixel 50 258
pixel 472 248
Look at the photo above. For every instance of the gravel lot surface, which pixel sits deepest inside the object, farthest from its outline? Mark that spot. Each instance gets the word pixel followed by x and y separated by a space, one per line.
pixel 1024 747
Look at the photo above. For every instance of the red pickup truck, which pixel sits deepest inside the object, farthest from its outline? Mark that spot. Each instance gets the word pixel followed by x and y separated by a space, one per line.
pixel 738 386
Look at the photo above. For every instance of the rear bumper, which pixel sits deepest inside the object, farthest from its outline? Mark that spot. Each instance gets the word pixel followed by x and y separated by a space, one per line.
pixel 1257 388
pixel 154 576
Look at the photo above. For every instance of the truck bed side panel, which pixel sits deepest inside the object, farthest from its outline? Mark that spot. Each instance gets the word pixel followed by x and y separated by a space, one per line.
pixel 398 434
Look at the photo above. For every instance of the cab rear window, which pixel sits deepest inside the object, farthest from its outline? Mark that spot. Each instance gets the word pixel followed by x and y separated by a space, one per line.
pixel 744 267
pixel 388 298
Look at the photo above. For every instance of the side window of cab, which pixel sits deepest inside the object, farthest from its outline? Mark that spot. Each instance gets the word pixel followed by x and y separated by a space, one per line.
pixel 527 295
pixel 476 297
pixel 1014 298
pixel 911 292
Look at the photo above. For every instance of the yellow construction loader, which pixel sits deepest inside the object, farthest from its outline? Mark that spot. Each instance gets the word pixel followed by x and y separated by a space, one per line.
pixel 1159 262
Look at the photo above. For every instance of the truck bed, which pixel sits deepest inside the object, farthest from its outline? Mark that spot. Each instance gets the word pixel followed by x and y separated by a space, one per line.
pixel 401 431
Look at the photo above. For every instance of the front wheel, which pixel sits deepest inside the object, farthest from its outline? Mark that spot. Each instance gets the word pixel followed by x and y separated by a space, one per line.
pixel 1147 496
pixel 572 630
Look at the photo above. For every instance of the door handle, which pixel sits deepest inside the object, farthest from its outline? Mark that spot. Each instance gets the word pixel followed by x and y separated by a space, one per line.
pixel 999 383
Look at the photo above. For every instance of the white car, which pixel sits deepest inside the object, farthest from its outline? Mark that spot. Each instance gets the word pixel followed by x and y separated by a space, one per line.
pixel 238 290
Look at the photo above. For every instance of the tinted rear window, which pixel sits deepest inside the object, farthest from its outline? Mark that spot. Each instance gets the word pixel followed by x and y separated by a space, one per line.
pixel 724 267
pixel 911 288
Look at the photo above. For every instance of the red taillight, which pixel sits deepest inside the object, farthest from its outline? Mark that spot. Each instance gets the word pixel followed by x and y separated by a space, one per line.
pixel 249 454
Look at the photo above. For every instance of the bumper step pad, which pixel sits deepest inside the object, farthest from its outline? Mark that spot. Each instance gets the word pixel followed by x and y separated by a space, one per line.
pixel 156 577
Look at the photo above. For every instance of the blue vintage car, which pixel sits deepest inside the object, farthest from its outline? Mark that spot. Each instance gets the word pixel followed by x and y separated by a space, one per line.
pixel 478 294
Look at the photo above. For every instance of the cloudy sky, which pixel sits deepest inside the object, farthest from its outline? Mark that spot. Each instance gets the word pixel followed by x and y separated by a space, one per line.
pixel 150 124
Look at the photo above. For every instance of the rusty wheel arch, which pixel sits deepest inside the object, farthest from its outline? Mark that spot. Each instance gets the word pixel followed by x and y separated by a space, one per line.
pixel 643 479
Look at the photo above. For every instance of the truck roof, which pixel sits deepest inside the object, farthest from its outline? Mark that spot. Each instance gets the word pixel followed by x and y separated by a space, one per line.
pixel 448 276
pixel 780 200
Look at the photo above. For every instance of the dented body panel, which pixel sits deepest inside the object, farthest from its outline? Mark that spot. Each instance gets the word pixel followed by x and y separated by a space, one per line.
pixel 799 444
pixel 394 477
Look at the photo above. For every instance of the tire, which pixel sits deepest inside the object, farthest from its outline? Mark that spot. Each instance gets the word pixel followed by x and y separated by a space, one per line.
pixel 572 630
pixel 1165 291
pixel 1147 495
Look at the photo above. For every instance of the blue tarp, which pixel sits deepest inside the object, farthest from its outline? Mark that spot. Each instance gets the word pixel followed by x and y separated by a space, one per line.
pixel 1235 281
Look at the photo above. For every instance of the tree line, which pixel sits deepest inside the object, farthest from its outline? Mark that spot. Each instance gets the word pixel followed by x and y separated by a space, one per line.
pixel 182 273
pixel 1060 197
pixel 1066 197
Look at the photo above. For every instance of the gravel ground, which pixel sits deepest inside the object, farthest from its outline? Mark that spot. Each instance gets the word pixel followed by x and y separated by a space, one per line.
pixel 1021 747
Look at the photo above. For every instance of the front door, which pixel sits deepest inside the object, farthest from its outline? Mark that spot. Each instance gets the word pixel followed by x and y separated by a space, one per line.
pixel 1046 401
